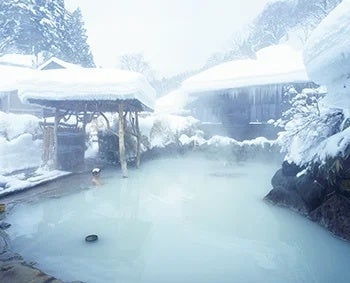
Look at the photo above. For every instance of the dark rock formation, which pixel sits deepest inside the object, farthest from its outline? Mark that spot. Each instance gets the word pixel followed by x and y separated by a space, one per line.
pixel 334 214
pixel 290 169
pixel 326 205
pixel 287 198
pixel 281 180
pixel 311 191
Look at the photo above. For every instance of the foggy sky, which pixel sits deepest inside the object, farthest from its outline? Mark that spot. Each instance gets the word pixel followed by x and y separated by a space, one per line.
pixel 173 35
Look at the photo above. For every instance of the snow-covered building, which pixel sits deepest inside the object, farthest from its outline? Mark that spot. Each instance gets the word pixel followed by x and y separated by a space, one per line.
pixel 55 63
pixel 15 68
pixel 10 77
pixel 238 98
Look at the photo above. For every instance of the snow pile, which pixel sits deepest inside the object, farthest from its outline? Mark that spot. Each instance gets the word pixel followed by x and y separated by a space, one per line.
pixel 88 84
pixel 20 153
pixel 14 125
pixel 165 129
pixel 172 103
pixel 18 147
pixel 327 55
pixel 19 182
pixel 231 149
pixel 20 60
pixel 11 77
pixel 318 130
pixel 273 65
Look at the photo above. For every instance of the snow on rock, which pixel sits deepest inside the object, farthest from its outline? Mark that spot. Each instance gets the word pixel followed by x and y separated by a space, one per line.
pixel 220 141
pixel 274 65
pixel 88 84
pixel 327 55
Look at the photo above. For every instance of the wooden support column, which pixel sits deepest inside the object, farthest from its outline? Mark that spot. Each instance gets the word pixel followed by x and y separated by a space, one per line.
pixel 122 157
pixel 55 139
pixel 138 140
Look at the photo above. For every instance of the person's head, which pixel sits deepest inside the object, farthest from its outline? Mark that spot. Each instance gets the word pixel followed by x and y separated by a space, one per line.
pixel 96 172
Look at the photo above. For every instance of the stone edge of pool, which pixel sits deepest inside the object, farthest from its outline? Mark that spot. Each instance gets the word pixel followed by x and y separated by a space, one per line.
pixel 13 267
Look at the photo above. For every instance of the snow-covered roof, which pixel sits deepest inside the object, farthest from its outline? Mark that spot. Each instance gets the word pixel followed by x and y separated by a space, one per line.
pixel 327 52
pixel 87 84
pixel 173 103
pixel 61 63
pixel 20 60
pixel 11 76
pixel 274 65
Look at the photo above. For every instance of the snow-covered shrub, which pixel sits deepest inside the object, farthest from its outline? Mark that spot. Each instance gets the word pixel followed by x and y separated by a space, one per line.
pixel 314 136
pixel 167 129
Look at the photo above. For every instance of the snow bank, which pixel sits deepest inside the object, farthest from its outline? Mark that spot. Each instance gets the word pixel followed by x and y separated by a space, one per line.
pixel 10 77
pixel 19 182
pixel 18 149
pixel 273 65
pixel 21 60
pixel 13 125
pixel 172 103
pixel 164 129
pixel 327 55
pixel 20 153
pixel 88 84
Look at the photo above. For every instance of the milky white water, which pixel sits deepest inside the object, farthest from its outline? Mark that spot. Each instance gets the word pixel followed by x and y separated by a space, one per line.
pixel 178 220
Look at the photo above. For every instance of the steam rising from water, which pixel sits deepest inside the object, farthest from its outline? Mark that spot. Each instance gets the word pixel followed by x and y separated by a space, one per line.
pixel 178 220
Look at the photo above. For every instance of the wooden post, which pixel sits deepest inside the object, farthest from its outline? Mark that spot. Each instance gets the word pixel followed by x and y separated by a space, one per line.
pixel 122 157
pixel 138 140
pixel 55 139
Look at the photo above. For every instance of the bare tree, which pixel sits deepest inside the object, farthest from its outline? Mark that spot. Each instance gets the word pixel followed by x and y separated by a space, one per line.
pixel 136 62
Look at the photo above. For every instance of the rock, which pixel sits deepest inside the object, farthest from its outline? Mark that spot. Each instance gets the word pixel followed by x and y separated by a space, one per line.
pixel 334 214
pixel 288 198
pixel 310 191
pixel 20 272
pixel 290 169
pixel 10 256
pixel 281 180
pixel 4 225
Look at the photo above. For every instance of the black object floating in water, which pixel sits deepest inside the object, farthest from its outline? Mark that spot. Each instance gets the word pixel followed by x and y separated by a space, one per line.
pixel 4 225
pixel 91 238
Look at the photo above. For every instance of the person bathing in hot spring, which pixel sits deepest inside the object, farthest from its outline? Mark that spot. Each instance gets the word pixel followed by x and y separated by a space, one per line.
pixel 96 177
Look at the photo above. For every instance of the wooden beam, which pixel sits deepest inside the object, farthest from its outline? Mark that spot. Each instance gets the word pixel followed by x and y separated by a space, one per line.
pixel 122 157
pixel 138 140
pixel 55 137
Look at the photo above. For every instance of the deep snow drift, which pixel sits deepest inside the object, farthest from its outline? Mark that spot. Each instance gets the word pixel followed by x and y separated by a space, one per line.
pixel 327 55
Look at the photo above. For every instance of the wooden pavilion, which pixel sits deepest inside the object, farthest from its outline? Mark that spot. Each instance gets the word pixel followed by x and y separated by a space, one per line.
pixel 86 93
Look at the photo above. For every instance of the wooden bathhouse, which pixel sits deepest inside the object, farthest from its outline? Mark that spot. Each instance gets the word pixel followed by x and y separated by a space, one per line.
pixel 84 94
pixel 239 98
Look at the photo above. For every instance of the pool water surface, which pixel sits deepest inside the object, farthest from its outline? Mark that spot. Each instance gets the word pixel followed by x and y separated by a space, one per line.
pixel 189 219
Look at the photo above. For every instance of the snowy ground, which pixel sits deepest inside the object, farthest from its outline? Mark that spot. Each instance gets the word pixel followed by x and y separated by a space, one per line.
pixel 20 153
